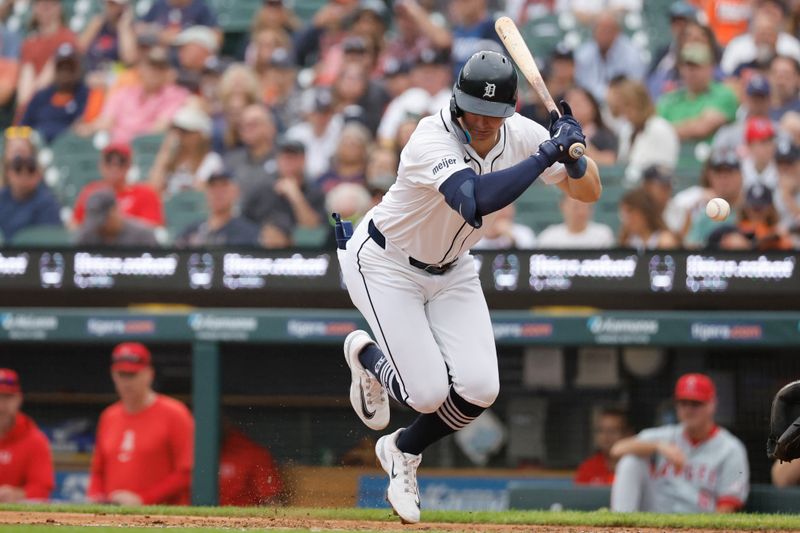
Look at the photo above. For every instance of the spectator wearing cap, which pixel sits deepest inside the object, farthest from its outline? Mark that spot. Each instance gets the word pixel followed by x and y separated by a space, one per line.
pixel 698 109
pixel 416 29
pixel 760 221
pixel 144 107
pixel 787 195
pixel 601 143
pixel 321 130
pixel 431 89
pixel 784 78
pixel 371 24
pixel 135 200
pixel 607 55
pixel 577 230
pixel 641 225
pixel 725 181
pixel 48 32
pixel 279 86
pixel 109 37
pixel 185 159
pixel 25 200
pixel 764 40
pixel 472 26
pixel 286 200
pixel 645 139
pixel 222 227
pixel 758 165
pixel 27 473
pixel 195 44
pixel 238 88
pixel 396 78
pixel 144 450
pixel 666 75
pixel 349 164
pixel 755 104
pixel 104 224
pixel 665 60
pixel 168 18
pixel 660 467
pixel 55 108
pixel 254 162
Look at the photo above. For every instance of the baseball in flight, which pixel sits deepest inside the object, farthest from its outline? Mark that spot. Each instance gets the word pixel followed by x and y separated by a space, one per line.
pixel 718 209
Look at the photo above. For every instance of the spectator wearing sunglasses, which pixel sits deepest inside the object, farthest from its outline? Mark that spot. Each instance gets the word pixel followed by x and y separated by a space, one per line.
pixel 56 107
pixel 135 200
pixel 25 200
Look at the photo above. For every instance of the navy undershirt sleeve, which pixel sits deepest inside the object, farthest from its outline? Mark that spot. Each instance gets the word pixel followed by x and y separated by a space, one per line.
pixel 473 195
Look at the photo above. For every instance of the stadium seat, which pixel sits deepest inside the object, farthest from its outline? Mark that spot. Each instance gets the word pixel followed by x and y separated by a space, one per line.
pixel 306 9
pixel 236 16
pixel 538 208
pixel 145 148
pixel 310 237
pixel 606 211
pixel 183 209
pixel 75 161
pixel 41 236
pixel 542 35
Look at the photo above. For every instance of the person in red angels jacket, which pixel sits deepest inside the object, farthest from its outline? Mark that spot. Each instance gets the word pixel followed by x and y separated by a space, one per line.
pixel 26 464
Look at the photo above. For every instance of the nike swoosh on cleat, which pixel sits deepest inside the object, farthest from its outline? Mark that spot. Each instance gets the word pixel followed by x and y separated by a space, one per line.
pixel 367 413
pixel 393 475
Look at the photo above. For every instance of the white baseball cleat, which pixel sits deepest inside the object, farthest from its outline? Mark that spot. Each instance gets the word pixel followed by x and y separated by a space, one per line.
pixel 403 493
pixel 367 396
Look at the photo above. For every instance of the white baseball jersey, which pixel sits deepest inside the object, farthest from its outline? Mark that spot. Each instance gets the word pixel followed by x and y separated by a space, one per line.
pixel 716 471
pixel 414 215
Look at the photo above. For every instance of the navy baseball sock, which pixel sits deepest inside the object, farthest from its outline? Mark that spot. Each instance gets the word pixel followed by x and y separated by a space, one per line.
pixel 372 358
pixel 454 414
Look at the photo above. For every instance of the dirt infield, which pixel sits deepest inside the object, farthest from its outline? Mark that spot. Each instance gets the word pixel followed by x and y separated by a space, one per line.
pixel 314 524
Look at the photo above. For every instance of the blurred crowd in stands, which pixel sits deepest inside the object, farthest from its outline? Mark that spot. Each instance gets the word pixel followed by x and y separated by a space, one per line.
pixel 201 137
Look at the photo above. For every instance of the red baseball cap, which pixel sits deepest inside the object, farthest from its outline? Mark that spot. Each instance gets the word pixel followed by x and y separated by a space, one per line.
pixel 121 148
pixel 695 387
pixel 9 382
pixel 758 129
pixel 130 357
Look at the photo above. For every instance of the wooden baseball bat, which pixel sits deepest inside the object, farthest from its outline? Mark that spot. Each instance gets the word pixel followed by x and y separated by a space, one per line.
pixel 515 44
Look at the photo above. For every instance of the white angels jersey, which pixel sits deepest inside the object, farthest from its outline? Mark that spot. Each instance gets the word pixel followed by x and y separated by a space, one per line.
pixel 716 471
pixel 414 215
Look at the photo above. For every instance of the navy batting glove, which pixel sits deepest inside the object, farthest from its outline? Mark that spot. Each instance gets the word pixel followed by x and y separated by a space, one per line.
pixel 565 118
pixel 565 136
pixel 550 151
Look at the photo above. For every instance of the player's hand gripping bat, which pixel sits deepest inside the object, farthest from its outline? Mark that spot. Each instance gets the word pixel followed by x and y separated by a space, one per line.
pixel 522 56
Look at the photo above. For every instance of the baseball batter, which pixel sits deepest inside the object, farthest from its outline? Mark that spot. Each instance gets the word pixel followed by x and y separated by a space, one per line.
pixel 691 467
pixel 408 270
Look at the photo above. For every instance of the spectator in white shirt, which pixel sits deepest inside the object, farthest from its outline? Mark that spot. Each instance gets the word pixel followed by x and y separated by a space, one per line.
pixel 758 165
pixel 320 133
pixel 764 40
pixel 645 139
pixel 578 229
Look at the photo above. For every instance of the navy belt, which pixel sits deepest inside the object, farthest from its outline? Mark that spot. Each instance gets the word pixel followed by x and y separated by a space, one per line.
pixel 376 235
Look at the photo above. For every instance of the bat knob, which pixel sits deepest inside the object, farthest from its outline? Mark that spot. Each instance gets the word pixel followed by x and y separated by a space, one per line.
pixel 577 150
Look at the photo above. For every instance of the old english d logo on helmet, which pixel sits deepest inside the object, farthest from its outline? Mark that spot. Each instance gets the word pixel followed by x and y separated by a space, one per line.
pixel 487 85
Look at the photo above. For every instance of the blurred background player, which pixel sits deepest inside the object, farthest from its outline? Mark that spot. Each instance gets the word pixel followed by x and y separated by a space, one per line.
pixel 610 426
pixel 145 441
pixel 26 465
pixel 248 475
pixel 693 466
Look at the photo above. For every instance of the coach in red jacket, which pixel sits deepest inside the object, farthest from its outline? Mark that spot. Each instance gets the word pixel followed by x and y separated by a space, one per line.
pixel 26 464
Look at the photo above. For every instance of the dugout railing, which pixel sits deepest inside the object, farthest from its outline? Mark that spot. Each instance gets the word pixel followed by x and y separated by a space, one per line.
pixel 207 329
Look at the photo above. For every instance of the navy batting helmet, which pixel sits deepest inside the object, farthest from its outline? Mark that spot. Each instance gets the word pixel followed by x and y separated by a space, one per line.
pixel 486 85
